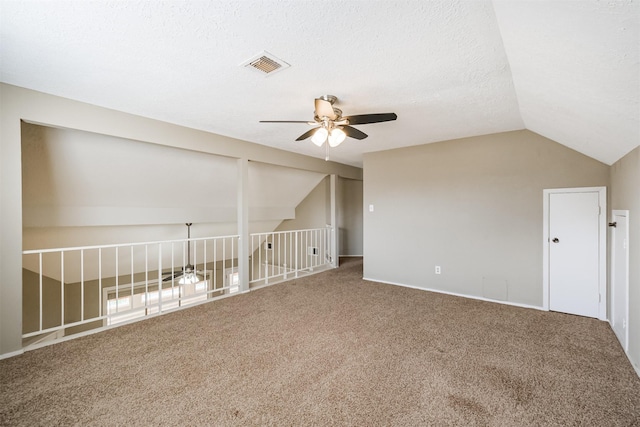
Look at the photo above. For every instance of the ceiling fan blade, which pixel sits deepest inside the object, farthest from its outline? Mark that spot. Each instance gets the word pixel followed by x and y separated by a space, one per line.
pixel 325 109
pixel 306 135
pixel 354 133
pixel 363 119
pixel 283 121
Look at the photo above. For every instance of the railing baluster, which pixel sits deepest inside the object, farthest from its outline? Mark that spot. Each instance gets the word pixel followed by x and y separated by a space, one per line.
pixel 296 265
pixel 82 284
pixel 173 267
pixel 215 264
pixel 252 259
pixel 259 259
pixel 195 257
pixel 62 288
pixel 40 280
pixel 204 256
pixel 132 279
pixel 117 280
pixel 100 282
pixel 273 256
pixel 146 278
pixel 146 298
pixel 232 263
pixel 285 255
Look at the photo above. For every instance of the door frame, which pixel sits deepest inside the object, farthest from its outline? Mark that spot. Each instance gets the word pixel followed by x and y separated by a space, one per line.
pixel 602 239
pixel 614 237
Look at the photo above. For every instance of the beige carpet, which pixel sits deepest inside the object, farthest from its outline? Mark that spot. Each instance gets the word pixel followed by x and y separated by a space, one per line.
pixel 331 349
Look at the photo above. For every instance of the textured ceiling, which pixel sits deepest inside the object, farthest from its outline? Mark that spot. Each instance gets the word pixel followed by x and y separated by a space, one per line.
pixel 568 70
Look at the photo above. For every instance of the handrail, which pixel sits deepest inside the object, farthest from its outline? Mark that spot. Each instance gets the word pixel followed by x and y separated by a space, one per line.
pixel 115 245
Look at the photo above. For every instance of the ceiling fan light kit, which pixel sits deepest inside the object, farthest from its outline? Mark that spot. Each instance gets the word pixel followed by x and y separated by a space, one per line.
pixel 332 127
pixel 320 136
pixel 336 137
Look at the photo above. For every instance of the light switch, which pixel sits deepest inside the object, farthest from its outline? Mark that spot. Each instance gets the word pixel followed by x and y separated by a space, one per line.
pixel 370 208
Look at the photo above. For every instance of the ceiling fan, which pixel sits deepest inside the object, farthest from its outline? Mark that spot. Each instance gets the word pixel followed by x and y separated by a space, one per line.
pixel 187 274
pixel 332 127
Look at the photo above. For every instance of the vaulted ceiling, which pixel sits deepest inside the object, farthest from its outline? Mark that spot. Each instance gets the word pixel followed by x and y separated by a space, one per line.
pixel 568 70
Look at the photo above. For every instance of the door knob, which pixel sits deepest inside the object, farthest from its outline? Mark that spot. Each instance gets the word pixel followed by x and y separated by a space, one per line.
pixel 555 240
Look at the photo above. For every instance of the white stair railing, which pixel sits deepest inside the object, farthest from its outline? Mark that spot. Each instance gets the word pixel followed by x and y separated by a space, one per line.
pixel 103 285
pixel 281 255
pixel 71 290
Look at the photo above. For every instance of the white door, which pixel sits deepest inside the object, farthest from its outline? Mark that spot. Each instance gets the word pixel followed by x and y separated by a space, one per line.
pixel 574 253
pixel 620 276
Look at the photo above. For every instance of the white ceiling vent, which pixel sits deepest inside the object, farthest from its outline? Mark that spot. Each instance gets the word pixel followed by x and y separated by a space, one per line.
pixel 265 63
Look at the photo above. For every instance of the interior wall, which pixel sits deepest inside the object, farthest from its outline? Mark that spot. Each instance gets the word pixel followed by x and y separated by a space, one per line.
pixel 473 207
pixel 85 183
pixel 350 217
pixel 77 178
pixel 625 194
pixel 313 210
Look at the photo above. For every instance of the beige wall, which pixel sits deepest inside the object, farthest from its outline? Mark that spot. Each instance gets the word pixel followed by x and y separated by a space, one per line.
pixel 31 302
pixel 625 194
pixel 17 105
pixel 313 211
pixel 472 206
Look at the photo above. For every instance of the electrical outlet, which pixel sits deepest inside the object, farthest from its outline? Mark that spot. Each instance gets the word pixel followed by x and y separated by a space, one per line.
pixel 438 271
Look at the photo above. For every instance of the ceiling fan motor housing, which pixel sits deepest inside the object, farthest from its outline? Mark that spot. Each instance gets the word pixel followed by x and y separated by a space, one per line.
pixel 329 98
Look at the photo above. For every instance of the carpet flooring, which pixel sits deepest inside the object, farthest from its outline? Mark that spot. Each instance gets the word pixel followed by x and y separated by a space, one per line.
pixel 331 349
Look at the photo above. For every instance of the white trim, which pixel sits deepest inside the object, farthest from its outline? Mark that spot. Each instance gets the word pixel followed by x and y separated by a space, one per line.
pixel 614 236
pixel 602 225
pixel 116 245
pixel 11 354
pixel 334 244
pixel 455 294
pixel 351 256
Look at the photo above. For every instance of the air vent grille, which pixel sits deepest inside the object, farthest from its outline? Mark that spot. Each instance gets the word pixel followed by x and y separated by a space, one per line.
pixel 265 63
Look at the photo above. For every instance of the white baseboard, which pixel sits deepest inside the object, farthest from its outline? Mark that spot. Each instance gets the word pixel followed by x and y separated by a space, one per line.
pixel 11 354
pixel 515 304
pixel 635 368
